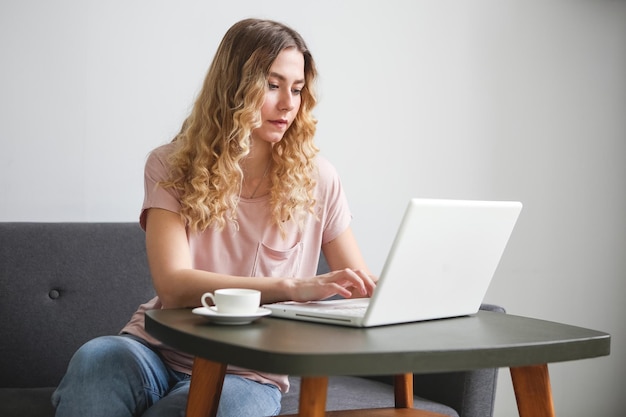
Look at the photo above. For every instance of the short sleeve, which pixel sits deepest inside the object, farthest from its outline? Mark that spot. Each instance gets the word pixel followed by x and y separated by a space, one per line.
pixel 155 195
pixel 336 215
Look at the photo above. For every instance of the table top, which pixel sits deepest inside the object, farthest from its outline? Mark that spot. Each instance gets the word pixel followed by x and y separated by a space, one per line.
pixel 484 340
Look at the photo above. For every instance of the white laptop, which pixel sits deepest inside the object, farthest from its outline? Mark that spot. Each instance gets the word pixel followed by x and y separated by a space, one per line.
pixel 440 265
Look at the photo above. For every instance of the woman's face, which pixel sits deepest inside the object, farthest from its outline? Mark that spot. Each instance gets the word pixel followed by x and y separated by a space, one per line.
pixel 282 96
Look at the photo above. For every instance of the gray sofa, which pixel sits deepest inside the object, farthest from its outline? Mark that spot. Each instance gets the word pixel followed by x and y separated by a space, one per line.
pixel 62 284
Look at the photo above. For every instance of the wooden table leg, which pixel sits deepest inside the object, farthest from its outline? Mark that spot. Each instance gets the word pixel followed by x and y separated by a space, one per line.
pixel 205 388
pixel 403 390
pixel 313 392
pixel 532 391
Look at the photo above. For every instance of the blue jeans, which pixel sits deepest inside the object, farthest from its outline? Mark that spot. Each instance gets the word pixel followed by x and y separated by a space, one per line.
pixel 118 376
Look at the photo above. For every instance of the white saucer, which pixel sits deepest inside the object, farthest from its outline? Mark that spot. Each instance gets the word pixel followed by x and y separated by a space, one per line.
pixel 232 319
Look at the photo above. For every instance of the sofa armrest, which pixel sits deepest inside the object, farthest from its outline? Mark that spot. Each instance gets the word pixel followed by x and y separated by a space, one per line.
pixel 470 393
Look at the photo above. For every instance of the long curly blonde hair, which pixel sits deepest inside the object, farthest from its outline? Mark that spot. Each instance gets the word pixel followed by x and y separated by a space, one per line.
pixel 205 167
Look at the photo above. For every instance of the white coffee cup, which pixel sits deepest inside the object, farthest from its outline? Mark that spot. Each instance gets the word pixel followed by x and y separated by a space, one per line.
pixel 233 300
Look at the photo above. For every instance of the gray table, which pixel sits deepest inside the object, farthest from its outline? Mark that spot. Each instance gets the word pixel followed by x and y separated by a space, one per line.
pixel 315 351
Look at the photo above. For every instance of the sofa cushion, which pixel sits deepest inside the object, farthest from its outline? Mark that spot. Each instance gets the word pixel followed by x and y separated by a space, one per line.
pixel 62 285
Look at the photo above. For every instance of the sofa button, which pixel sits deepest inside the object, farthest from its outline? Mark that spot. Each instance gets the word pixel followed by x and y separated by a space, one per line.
pixel 54 294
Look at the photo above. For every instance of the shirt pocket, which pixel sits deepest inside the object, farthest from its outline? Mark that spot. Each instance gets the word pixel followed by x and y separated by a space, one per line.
pixel 271 262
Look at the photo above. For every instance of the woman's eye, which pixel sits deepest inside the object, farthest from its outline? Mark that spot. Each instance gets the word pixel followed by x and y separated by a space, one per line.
pixel 296 91
pixel 272 86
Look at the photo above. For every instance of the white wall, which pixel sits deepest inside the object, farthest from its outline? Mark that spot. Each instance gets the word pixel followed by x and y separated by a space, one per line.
pixel 482 100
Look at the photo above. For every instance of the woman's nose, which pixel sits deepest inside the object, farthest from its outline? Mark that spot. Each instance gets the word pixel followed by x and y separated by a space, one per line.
pixel 286 101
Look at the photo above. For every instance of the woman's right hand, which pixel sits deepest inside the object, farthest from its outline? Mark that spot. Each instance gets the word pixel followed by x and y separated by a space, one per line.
pixel 348 283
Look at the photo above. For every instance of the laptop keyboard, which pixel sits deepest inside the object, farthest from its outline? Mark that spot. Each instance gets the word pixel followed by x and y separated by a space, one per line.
pixel 343 310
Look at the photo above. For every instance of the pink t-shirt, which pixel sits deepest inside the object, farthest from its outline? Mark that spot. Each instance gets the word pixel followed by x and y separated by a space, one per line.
pixel 256 249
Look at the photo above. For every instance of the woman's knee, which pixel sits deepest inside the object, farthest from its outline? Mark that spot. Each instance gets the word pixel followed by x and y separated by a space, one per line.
pixel 111 367
pixel 102 354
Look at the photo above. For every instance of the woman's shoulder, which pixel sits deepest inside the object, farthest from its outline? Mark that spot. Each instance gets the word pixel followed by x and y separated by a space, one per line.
pixel 157 165
pixel 159 156
pixel 163 151
pixel 325 169
pixel 328 181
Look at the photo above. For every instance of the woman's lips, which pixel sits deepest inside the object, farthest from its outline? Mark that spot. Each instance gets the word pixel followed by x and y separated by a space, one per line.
pixel 280 123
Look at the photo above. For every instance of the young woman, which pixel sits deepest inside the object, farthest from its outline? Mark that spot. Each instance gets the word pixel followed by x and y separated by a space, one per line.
pixel 239 198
